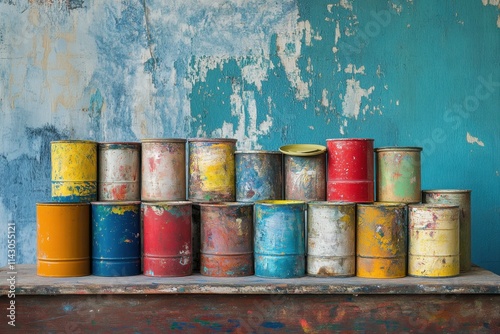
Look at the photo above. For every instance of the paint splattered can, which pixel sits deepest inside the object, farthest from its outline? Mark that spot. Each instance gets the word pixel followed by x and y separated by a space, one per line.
pixel 212 170
pixel 350 170
pixel 305 177
pixel 119 172
pixel 74 171
pixel 434 236
pixel 462 198
pixel 259 175
pixel 279 238
pixel 398 174
pixel 196 237
pixel 167 238
pixel 226 239
pixel 331 239
pixel 116 238
pixel 381 240
pixel 163 170
pixel 63 239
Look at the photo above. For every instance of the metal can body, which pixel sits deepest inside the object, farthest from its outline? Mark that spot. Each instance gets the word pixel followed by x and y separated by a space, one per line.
pixel 116 238
pixel 279 239
pixel 433 240
pixel 462 198
pixel 259 175
pixel 163 170
pixel 74 171
pixel 350 170
pixel 305 177
pixel 63 239
pixel 212 170
pixel 381 240
pixel 167 238
pixel 196 236
pixel 226 239
pixel 119 172
pixel 398 174
pixel 331 239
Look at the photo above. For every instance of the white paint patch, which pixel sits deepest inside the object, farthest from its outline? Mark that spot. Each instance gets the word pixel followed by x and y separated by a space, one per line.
pixel 347 4
pixel 498 21
pixel 324 98
pixel 354 70
pixel 397 7
pixel 351 106
pixel 491 2
pixel 337 32
pixel 474 140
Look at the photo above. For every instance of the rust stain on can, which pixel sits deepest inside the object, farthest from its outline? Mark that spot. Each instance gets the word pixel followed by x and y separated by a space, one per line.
pixel 331 228
pixel 212 170
pixel 305 177
pixel 63 239
pixel 398 174
pixel 163 170
pixel 433 240
pixel 462 198
pixel 119 172
pixel 381 240
pixel 226 239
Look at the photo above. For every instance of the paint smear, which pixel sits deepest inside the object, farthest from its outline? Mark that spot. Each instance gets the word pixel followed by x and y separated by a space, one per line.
pixel 474 140
pixel 351 105
pixel 305 326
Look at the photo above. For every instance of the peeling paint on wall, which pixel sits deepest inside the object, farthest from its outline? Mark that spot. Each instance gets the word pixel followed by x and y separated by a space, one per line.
pixel 474 140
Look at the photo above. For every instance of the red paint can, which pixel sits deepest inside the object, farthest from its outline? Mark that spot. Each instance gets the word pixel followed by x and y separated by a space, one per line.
pixel 350 170
pixel 167 238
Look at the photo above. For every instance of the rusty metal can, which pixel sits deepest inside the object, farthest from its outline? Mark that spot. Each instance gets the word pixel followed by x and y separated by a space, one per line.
pixel 163 170
pixel 63 239
pixel 226 239
pixel 305 177
pixel 434 240
pixel 259 175
pixel 398 174
pixel 279 242
pixel 212 170
pixel 350 170
pixel 116 238
pixel 462 198
pixel 167 238
pixel 331 239
pixel 119 172
pixel 381 240
pixel 196 236
pixel 74 170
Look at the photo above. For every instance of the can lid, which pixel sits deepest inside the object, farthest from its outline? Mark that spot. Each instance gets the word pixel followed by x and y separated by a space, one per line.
pixel 432 206
pixel 76 141
pixel 257 152
pixel 446 191
pixel 118 144
pixel 165 203
pixel 330 203
pixel 350 139
pixel 279 202
pixel 224 204
pixel 63 204
pixel 212 140
pixel 383 204
pixel 302 150
pixel 398 148
pixel 163 140
pixel 115 203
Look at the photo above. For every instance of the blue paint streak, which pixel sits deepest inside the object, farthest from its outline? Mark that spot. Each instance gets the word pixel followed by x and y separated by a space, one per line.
pixel 273 325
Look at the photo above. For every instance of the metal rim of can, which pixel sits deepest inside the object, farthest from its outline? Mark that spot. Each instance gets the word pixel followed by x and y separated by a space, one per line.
pixel 73 141
pixel 330 203
pixel 164 203
pixel 382 204
pixel 62 204
pixel 163 140
pixel 257 152
pixel 432 206
pixel 115 203
pixel 398 148
pixel 447 191
pixel 350 139
pixel 272 202
pixel 123 143
pixel 212 140
pixel 223 204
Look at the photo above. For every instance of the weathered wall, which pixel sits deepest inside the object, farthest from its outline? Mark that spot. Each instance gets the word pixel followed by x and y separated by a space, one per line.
pixel 407 73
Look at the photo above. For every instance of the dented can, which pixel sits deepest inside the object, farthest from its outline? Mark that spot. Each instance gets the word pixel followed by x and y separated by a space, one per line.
pixel 331 238
pixel 212 170
pixel 116 238
pixel 167 238
pixel 279 243
pixel 74 170
pixel 63 239
pixel 259 175
pixel 119 172
pixel 305 177
pixel 398 174
pixel 226 239
pixel 462 198
pixel 163 170
pixel 381 240
pixel 350 170
pixel 434 240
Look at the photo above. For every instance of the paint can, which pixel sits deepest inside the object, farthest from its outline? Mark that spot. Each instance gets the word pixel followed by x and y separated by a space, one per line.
pixel 119 172
pixel 381 240
pixel 398 174
pixel 196 236
pixel 259 175
pixel 212 170
pixel 63 239
pixel 434 240
pixel 163 170
pixel 331 239
pixel 116 238
pixel 74 170
pixel 167 238
pixel 350 170
pixel 279 238
pixel 462 198
pixel 226 239
pixel 305 177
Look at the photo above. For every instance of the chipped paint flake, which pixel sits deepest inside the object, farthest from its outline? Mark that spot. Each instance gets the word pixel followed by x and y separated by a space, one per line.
pixel 351 106
pixel 474 140
pixel 354 70
pixel 347 4
pixel 324 98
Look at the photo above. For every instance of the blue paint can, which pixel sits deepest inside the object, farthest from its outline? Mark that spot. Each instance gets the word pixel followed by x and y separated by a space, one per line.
pixel 279 242
pixel 116 238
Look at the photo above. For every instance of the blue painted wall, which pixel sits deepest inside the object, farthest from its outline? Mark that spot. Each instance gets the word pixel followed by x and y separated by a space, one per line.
pixel 406 73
